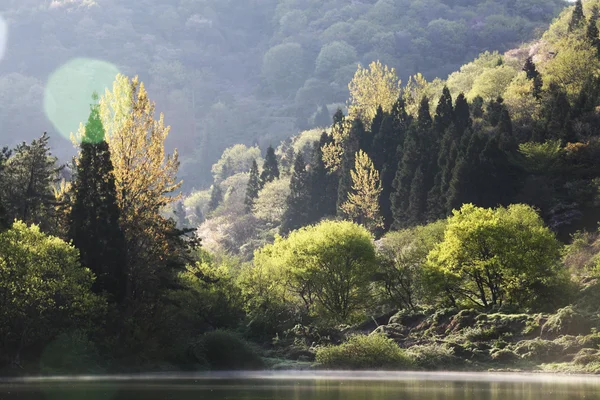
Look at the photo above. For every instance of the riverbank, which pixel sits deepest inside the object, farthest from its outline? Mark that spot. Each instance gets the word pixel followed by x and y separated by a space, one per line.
pixel 449 339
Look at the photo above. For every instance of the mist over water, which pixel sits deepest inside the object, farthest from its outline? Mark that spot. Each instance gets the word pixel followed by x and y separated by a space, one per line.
pixel 306 385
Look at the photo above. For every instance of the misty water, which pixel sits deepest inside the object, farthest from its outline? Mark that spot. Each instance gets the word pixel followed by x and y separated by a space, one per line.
pixel 307 386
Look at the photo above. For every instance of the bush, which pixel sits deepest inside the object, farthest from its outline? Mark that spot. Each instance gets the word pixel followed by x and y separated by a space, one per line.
pixel 433 356
pixel 504 356
pixel 224 350
pixel 566 321
pixel 538 350
pixel 586 356
pixel 71 353
pixel 364 352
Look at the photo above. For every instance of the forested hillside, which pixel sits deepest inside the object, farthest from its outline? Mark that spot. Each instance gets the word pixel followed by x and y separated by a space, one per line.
pixel 430 223
pixel 251 72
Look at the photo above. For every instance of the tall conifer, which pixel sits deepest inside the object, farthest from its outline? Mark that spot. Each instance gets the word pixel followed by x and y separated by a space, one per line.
pixel 270 170
pixel 298 203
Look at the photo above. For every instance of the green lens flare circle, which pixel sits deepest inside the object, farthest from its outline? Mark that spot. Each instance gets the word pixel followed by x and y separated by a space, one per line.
pixel 69 91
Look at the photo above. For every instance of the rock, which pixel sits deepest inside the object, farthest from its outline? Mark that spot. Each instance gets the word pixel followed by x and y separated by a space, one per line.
pixel 566 321
pixel 504 356
pixel 392 331
pixel 463 319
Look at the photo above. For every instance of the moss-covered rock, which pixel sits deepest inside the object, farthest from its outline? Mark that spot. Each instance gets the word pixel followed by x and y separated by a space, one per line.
pixel 464 319
pixel 538 350
pixel 586 356
pixel 392 331
pixel 434 356
pixel 504 356
pixel 566 321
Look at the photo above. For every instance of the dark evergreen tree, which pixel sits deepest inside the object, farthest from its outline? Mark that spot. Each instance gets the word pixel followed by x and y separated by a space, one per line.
pixel 533 75
pixel 558 116
pixel 477 107
pixel 28 181
pixel 444 113
pixel 577 18
pixel 351 146
pixel 466 176
pixel 298 203
pixel 270 170
pixel 94 218
pixel 323 185
pixel 417 199
pixel 216 197
pixel 418 142
pixel 507 140
pixel 592 33
pixel 462 116
pixel 253 187
pixel 323 118
pixel 493 111
pixel 387 153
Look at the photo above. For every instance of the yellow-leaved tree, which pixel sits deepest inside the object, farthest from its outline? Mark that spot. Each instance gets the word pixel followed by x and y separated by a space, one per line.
pixel 370 88
pixel 145 179
pixel 363 200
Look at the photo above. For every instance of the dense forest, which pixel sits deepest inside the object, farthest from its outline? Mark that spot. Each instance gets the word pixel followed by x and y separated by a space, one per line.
pixel 430 224
pixel 251 72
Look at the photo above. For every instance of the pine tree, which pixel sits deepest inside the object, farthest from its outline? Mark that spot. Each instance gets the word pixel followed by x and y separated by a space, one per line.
pixel 558 116
pixel 270 170
pixel 417 153
pixel 298 203
pixel 415 214
pixel 253 187
pixel 592 33
pixel 362 205
pixel 94 218
pixel 323 186
pixel 444 113
pixel 507 141
pixel 577 18
pixel 533 75
pixel 494 111
pixel 216 197
pixel 28 181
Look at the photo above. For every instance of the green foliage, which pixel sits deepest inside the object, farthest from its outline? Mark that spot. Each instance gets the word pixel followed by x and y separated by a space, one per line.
pixel 501 255
pixel 253 187
pixel 296 214
pixel 71 353
pixel 94 219
pixel 374 352
pixel 46 290
pixel 225 351
pixel 327 266
pixel 284 68
pixel 270 170
pixel 566 321
pixel 403 257
pixel 270 206
pixel 234 160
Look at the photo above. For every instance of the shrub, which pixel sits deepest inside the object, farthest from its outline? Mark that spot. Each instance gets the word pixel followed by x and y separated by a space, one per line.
pixel 224 350
pixel 538 350
pixel 433 356
pixel 504 356
pixel 364 352
pixel 586 356
pixel 71 353
pixel 566 321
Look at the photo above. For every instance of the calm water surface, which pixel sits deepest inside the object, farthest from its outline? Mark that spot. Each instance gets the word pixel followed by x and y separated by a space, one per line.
pixel 307 386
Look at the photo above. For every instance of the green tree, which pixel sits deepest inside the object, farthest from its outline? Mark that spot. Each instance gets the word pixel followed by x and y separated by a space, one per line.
pixel 323 118
pixel 503 255
pixel 216 197
pixel 253 187
pixel 403 254
pixel 28 178
pixel 362 205
pixel 45 291
pixel 323 184
pixel 94 218
pixel 592 33
pixel 4 221
pixel 328 266
pixel 371 88
pixel 270 170
pixel 298 203
pixel 350 147
pixel 534 75
pixel 577 20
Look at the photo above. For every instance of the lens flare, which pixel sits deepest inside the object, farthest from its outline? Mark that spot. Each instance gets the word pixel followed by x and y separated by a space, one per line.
pixel 3 37
pixel 69 91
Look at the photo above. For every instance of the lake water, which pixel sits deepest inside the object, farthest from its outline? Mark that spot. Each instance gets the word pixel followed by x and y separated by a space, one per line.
pixel 307 386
